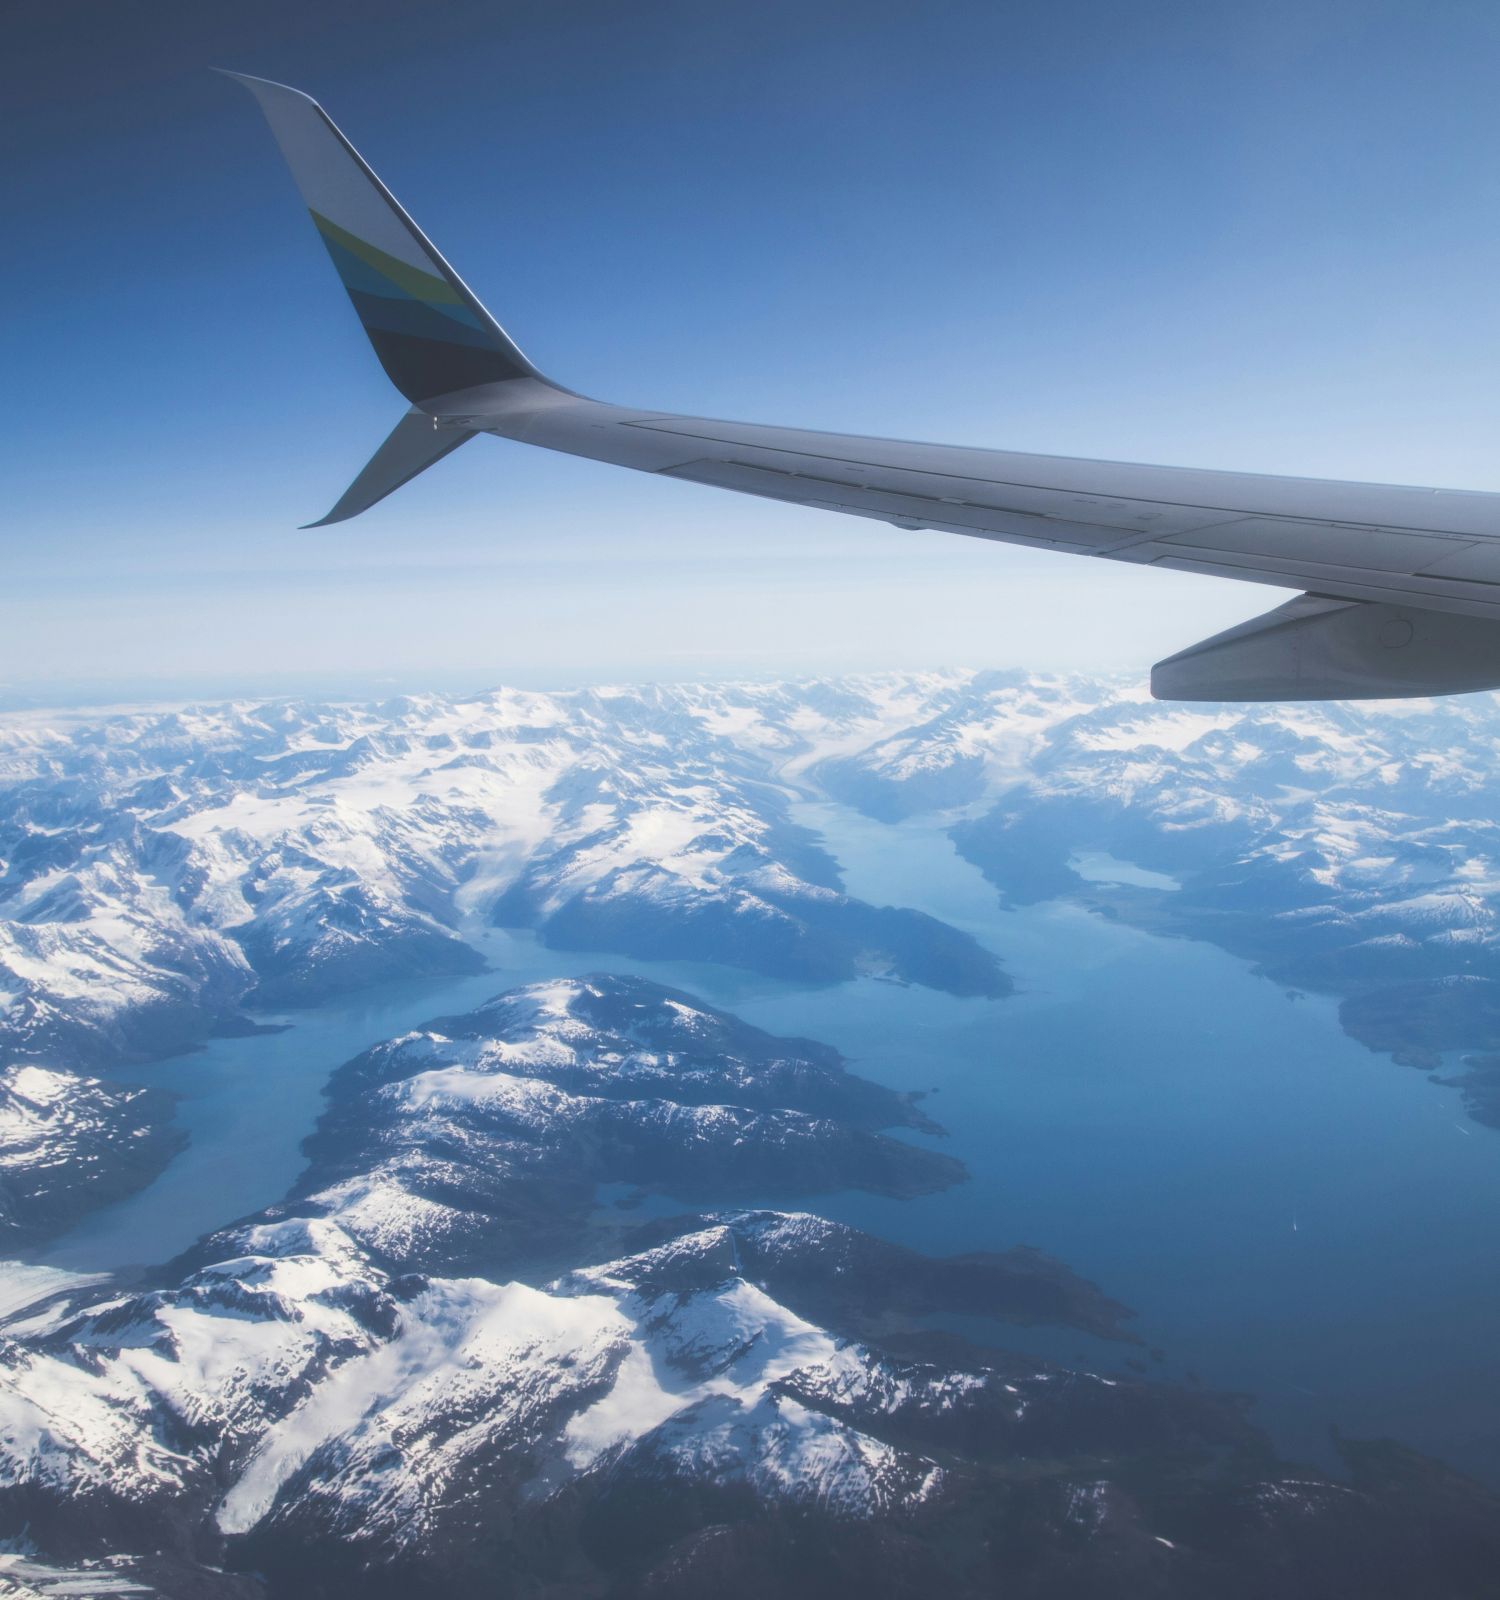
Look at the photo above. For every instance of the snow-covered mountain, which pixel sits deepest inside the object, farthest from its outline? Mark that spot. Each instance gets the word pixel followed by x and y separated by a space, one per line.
pixel 743 1401
pixel 523 1106
pixel 69 1143
pixel 1354 850
pixel 160 869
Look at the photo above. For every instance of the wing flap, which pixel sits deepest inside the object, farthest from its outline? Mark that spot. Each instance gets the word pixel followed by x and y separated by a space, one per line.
pixel 1478 562
pixel 1330 544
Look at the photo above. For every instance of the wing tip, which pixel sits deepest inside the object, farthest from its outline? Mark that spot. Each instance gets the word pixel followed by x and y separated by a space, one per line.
pixel 257 86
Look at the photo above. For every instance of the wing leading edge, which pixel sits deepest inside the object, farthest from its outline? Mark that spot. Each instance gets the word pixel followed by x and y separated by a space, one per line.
pixel 1403 584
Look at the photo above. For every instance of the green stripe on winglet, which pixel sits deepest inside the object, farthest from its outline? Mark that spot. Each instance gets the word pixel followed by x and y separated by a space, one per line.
pixel 411 280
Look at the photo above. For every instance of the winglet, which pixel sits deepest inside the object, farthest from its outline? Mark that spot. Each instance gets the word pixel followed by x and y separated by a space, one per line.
pixel 429 330
pixel 412 446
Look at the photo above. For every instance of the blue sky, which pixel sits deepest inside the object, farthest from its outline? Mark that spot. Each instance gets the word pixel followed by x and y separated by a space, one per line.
pixel 1257 237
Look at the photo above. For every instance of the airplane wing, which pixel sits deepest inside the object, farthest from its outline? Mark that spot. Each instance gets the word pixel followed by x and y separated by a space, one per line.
pixel 1402 585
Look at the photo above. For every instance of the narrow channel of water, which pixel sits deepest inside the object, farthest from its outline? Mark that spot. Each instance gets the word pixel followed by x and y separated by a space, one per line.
pixel 247 1104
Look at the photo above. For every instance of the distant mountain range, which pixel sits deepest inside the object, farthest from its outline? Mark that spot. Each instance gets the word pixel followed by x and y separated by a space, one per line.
pixel 162 870
pixel 159 870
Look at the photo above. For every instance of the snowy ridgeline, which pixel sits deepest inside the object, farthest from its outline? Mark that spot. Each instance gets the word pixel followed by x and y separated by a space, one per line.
pixel 439 1368
pixel 161 869
pixel 158 870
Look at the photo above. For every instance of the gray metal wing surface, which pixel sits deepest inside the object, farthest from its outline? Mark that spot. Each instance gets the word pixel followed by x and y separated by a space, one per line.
pixel 1401 586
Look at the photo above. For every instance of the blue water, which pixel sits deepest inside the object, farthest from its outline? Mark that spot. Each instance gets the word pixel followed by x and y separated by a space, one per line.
pixel 1290 1214
pixel 1099 866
